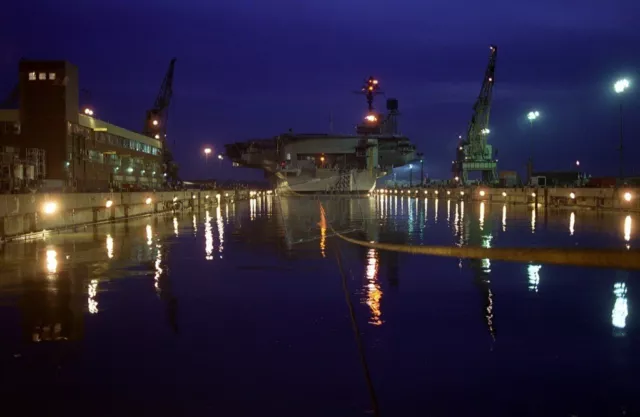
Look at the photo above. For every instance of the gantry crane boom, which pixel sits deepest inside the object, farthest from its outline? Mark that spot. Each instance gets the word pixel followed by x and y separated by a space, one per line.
pixel 473 153
pixel 156 123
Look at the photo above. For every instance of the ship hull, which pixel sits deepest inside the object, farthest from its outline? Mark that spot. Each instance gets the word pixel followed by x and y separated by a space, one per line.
pixel 328 181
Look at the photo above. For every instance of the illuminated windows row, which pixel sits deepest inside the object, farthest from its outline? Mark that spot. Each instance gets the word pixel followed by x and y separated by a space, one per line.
pixel 41 76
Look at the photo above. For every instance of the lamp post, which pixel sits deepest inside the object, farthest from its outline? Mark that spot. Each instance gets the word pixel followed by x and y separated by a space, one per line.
pixel 207 151
pixel 531 116
pixel 220 158
pixel 619 87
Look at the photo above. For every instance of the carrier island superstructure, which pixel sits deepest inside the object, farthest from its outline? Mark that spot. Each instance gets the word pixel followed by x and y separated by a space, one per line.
pixel 332 163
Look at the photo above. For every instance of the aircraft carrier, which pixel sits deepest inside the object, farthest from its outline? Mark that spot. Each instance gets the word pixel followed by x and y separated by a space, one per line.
pixel 325 162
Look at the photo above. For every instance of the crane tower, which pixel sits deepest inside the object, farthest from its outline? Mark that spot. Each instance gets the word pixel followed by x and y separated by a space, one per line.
pixel 473 153
pixel 156 124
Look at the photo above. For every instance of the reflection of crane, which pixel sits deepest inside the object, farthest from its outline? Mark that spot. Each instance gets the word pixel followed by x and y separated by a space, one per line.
pixel 156 123
pixel 473 153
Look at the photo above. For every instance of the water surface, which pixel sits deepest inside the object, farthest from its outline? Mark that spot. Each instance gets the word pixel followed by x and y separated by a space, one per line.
pixel 240 310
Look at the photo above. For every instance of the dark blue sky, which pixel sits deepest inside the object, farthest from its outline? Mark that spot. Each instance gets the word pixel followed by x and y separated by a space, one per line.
pixel 250 69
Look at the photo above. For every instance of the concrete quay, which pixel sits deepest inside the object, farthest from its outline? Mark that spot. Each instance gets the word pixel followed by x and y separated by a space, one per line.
pixel 22 215
pixel 621 199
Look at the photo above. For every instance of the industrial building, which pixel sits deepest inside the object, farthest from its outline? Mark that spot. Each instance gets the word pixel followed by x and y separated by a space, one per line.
pixel 48 141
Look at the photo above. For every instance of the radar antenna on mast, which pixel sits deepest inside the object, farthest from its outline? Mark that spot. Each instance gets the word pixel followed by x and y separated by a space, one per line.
pixel 473 153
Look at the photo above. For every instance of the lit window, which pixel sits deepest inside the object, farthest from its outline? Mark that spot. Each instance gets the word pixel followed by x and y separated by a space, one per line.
pixel 42 76
pixel 52 75
pixel 32 76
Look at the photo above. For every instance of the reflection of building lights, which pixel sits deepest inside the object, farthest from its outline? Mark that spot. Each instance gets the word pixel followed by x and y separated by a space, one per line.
pixel 481 216
pixel 627 196
pixel 533 195
pixel 195 225
pixel 627 228
pixel 109 203
pixel 148 200
pixel 323 233
pixel 620 308
pixel 52 261
pixel 252 209
pixel 482 193
pixel 149 235
pixel 374 294
pixel 175 226
pixel 572 196
pixel 533 271
pixel 208 236
pixel 220 223
pixel 109 247
pixel 158 268
pixel 504 218
pixel 92 290
pixel 533 220
pixel 572 223
pixel 435 211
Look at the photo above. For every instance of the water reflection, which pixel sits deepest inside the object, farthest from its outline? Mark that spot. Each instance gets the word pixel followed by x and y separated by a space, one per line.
pixel 175 226
pixel 504 217
pixel 620 308
pixel 448 209
pixel 92 291
pixel 52 262
pixel 323 233
pixel 533 272
pixel 149 232
pixel 195 225
pixel 435 211
pixel 481 219
pixel 572 223
pixel 220 223
pixel 208 236
pixel 109 247
pixel 252 209
pixel 372 289
pixel 627 230
pixel 533 219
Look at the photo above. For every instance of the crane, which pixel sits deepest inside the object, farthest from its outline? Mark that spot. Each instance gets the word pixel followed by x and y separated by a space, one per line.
pixel 156 124
pixel 473 153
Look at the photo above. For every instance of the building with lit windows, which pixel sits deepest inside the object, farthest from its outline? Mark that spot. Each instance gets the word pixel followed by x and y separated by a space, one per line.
pixel 48 141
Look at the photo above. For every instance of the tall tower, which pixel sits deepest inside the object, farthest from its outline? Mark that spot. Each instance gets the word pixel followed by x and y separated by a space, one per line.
pixel 48 103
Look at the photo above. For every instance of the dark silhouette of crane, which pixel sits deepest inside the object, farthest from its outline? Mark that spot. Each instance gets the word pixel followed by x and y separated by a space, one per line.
pixel 156 125
pixel 473 153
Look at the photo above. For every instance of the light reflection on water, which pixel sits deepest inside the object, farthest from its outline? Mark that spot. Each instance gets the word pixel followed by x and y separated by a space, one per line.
pixel 502 299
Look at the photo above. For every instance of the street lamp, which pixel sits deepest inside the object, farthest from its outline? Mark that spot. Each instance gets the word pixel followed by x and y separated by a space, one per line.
pixel 619 87
pixel 207 151
pixel 577 163
pixel 531 116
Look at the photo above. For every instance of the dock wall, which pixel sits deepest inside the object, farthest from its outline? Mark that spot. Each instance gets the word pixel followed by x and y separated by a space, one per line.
pixel 621 199
pixel 24 214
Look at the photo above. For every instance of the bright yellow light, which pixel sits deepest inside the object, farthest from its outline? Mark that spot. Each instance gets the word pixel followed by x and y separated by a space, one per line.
pixel 52 262
pixel 627 196
pixel 49 207
pixel 207 151
pixel 533 195
pixel 504 194
pixel 175 199
pixel 572 196
pixel 371 118
pixel 375 81
pixel 109 203
pixel 627 228
pixel 461 192
pixel 457 178
pixel 436 192
pixel 157 136
pixel 448 192
pixel 148 200
pixel 322 158
pixel 155 123
pixel 482 193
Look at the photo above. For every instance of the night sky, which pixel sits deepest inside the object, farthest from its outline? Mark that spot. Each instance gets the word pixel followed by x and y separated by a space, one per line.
pixel 253 69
